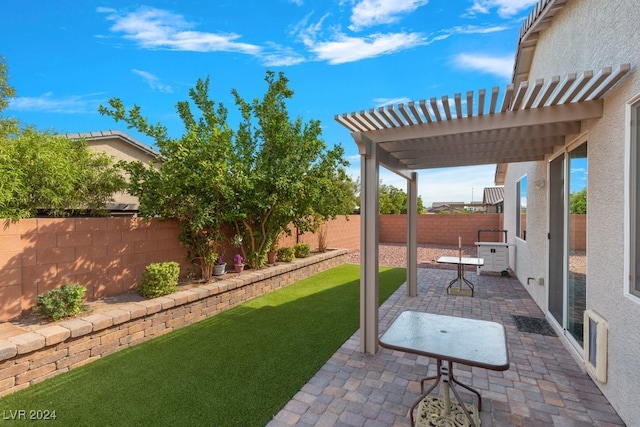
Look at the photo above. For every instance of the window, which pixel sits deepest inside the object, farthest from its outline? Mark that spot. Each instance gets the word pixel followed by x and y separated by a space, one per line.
pixel 634 195
pixel 521 208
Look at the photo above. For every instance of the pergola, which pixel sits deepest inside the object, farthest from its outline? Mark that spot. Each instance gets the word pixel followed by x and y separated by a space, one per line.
pixel 525 125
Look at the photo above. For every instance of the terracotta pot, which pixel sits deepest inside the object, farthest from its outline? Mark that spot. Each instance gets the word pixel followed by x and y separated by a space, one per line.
pixel 238 267
pixel 272 257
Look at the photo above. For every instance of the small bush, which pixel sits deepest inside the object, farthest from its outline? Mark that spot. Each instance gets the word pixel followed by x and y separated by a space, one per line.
pixel 65 301
pixel 158 279
pixel 286 254
pixel 302 250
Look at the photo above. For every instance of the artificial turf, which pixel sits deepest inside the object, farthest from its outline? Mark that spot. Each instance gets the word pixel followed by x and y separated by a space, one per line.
pixel 237 368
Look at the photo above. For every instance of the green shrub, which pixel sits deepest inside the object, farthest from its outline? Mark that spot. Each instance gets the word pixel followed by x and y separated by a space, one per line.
pixel 65 301
pixel 158 279
pixel 286 254
pixel 302 250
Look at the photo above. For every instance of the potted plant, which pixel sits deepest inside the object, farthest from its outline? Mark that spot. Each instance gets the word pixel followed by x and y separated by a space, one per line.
pixel 238 263
pixel 219 266
pixel 272 254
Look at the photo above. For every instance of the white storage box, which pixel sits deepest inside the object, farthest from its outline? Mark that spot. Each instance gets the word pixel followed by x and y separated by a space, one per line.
pixel 495 254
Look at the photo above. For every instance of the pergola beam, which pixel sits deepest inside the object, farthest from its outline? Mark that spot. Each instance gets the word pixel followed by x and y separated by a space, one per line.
pixel 509 119
pixel 469 140
pixel 488 154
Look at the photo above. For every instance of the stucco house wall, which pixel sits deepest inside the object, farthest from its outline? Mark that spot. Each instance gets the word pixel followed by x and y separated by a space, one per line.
pixel 589 35
pixel 527 258
pixel 120 147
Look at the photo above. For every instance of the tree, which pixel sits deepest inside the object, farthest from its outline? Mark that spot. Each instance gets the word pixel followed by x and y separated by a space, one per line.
pixel 7 92
pixel 45 173
pixel 578 202
pixel 191 183
pixel 283 172
pixel 393 200
pixel 269 173
pixel 42 172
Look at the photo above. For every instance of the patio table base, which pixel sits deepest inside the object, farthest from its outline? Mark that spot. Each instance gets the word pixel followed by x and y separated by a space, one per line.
pixel 459 290
pixel 431 409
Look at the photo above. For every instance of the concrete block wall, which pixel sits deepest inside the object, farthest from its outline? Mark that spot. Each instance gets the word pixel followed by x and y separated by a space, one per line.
pixel 341 233
pixel 106 255
pixel 37 355
pixel 443 229
pixel 578 232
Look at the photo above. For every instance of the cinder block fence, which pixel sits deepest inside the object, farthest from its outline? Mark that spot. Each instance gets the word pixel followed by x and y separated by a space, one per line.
pixel 108 255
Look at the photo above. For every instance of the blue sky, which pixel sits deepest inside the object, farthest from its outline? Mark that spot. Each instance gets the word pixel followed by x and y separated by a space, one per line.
pixel 67 57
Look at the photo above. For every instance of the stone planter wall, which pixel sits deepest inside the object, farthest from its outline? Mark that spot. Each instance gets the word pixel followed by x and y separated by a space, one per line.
pixel 34 356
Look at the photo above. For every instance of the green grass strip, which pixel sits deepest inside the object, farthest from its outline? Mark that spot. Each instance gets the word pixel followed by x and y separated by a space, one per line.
pixel 239 367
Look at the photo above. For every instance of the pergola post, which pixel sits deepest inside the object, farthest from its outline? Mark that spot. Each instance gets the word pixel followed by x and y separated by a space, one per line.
pixel 369 238
pixel 412 235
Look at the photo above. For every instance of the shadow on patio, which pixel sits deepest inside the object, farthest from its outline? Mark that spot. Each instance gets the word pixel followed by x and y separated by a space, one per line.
pixel 544 385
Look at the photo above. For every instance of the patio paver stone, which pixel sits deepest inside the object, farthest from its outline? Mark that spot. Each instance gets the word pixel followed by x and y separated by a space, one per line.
pixel 544 386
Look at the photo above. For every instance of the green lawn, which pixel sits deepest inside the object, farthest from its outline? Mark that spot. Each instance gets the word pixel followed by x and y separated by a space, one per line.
pixel 239 367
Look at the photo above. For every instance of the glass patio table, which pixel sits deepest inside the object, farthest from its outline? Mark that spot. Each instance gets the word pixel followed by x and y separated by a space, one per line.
pixel 460 262
pixel 476 343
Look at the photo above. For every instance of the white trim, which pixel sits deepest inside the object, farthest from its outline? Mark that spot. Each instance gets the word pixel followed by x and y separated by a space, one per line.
pixel 630 214
pixel 576 142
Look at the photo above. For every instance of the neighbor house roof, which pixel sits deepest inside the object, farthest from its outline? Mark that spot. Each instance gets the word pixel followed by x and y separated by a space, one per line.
pixel 121 147
pixel 110 134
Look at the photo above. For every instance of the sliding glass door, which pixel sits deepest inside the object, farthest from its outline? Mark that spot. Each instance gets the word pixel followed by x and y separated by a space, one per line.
pixel 577 242
pixel 568 240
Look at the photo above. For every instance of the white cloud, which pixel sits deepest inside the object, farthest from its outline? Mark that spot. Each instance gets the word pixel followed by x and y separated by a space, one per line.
pixel 73 104
pixel 153 81
pixel 367 13
pixel 506 8
pixel 474 29
pixel 340 48
pixel 345 49
pixel 466 29
pixel 498 65
pixel 383 102
pixel 275 55
pixel 154 28
pixel 308 32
